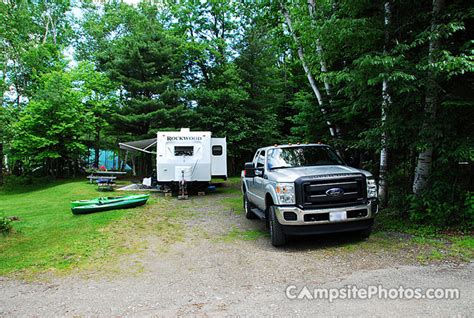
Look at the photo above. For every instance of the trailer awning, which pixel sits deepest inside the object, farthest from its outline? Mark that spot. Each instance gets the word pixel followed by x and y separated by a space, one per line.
pixel 139 145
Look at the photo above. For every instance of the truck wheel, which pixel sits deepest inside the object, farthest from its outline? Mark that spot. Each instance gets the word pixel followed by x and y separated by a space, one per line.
pixel 248 208
pixel 276 230
pixel 365 233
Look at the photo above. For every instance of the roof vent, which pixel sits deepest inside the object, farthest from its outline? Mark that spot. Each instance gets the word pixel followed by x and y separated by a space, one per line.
pixel 184 129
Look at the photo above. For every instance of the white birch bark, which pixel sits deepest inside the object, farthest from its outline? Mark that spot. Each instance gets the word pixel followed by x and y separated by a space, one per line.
pixel 307 71
pixel 2 92
pixel 322 62
pixel 124 163
pixel 386 103
pixel 134 171
pixel 425 158
pixel 46 31
pixel 319 48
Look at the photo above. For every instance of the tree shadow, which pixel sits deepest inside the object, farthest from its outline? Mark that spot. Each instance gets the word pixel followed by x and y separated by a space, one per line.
pixel 322 241
pixel 37 184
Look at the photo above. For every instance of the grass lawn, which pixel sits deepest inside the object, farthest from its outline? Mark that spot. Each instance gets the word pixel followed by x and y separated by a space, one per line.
pixel 48 235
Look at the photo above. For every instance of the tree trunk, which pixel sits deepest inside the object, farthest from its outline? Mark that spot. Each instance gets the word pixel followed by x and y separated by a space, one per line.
pixel 45 37
pixel 423 166
pixel 97 149
pixel 386 103
pixel 322 62
pixel 307 71
pixel 1 162
pixel 2 120
pixel 383 166
pixel 114 160
pixel 124 163
pixel 324 68
pixel 134 171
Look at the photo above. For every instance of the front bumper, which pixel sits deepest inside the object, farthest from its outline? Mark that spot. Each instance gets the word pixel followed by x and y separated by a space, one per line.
pixel 334 227
pixel 295 216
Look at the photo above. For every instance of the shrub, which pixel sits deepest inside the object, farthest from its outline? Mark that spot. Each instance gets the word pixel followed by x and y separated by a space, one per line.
pixel 15 182
pixel 442 208
pixel 5 225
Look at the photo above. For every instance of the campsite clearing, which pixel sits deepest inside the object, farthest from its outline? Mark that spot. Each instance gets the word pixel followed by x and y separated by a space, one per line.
pixel 197 256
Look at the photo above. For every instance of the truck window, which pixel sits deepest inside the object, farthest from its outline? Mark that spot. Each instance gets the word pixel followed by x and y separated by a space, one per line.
pixel 261 159
pixel 183 150
pixel 217 150
pixel 254 160
pixel 303 156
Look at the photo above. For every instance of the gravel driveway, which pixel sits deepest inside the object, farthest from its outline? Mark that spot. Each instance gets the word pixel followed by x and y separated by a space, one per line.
pixel 225 265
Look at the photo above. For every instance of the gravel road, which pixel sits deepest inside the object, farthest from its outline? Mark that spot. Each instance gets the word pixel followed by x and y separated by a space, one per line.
pixel 212 273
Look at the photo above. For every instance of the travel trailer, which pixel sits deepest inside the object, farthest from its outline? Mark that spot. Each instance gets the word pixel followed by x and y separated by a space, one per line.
pixel 189 156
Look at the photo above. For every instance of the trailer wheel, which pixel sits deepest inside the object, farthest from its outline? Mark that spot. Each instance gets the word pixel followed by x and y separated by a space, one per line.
pixel 248 208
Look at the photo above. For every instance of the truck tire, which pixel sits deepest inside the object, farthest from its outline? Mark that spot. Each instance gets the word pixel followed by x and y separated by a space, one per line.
pixel 277 235
pixel 365 233
pixel 248 208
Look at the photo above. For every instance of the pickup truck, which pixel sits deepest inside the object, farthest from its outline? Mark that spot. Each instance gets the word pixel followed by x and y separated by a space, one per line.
pixel 307 189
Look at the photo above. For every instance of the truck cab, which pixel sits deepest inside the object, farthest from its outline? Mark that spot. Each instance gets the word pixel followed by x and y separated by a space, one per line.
pixel 307 189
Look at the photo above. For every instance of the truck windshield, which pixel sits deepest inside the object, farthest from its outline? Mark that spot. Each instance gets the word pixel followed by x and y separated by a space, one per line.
pixel 304 156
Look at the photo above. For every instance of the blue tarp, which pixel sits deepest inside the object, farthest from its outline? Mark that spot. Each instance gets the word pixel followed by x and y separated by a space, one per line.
pixel 108 159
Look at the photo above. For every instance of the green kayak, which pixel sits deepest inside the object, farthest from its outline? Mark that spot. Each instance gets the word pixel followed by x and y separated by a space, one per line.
pixel 107 204
pixel 108 200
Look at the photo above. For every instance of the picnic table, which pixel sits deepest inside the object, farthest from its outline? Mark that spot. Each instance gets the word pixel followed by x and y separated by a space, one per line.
pixel 106 184
pixel 111 175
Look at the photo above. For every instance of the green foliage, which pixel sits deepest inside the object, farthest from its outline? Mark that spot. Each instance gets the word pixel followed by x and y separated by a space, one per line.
pixel 50 128
pixel 432 207
pixel 33 34
pixel 6 225
pixel 146 62
pixel 469 203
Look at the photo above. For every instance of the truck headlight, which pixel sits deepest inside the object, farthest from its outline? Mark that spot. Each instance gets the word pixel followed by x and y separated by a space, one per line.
pixel 285 193
pixel 371 188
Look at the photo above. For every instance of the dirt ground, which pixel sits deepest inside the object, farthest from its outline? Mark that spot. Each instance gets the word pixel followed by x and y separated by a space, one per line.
pixel 202 257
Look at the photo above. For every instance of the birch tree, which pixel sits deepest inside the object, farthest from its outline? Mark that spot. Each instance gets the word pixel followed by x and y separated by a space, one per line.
pixel 1 144
pixel 386 102
pixel 425 157
pixel 309 75
pixel 322 61
pixel 2 121
pixel 319 48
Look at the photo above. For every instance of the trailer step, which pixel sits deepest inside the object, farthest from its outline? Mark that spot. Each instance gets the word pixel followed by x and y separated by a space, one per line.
pixel 259 213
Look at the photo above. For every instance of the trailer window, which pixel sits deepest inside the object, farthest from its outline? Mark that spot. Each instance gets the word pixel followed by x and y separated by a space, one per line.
pixel 183 150
pixel 217 150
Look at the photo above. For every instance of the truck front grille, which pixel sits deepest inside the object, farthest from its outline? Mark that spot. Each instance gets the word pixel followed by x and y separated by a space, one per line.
pixel 346 190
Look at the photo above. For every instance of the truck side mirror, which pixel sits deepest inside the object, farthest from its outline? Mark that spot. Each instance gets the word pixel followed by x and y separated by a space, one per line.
pixel 249 170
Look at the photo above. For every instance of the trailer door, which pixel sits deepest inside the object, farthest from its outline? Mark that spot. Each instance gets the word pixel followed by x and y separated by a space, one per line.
pixel 219 157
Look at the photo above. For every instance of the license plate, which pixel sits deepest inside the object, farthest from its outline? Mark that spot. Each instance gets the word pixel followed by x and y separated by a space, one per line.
pixel 337 216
